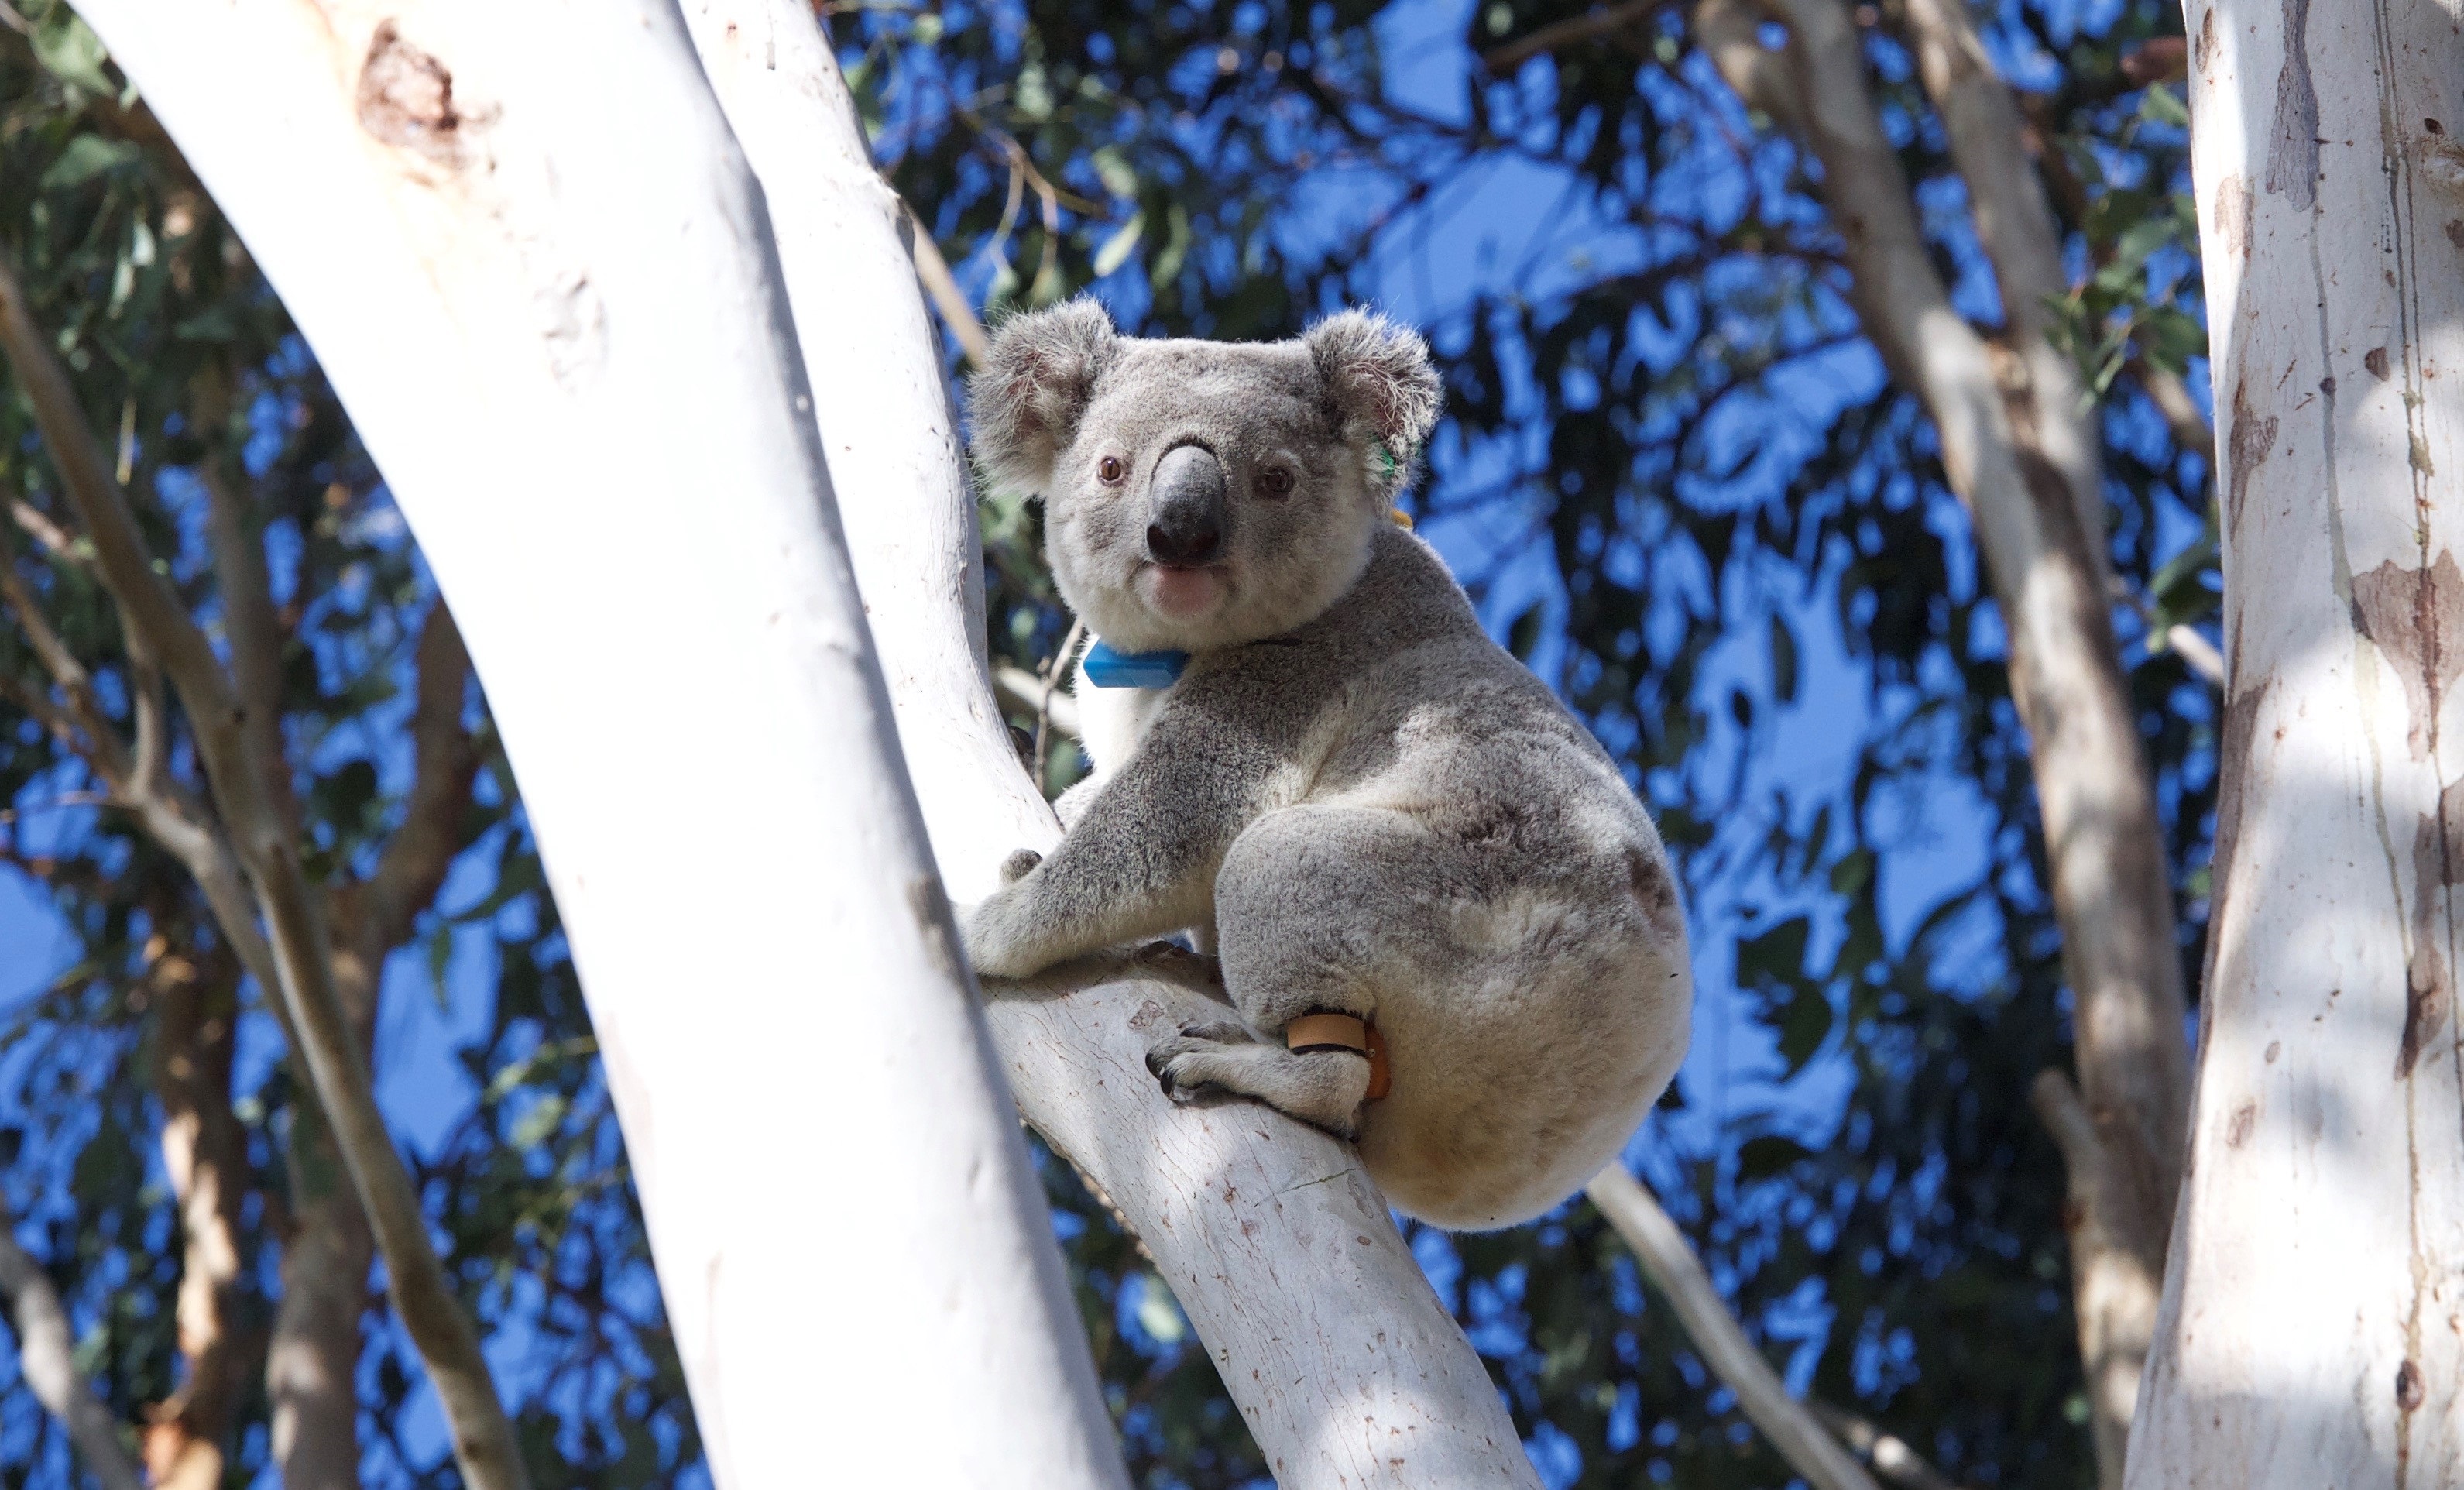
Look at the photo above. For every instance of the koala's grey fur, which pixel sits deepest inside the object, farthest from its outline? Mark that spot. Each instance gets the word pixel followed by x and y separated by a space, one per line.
pixel 1361 803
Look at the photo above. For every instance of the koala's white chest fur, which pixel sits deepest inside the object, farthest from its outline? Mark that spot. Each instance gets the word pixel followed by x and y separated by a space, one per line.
pixel 1112 720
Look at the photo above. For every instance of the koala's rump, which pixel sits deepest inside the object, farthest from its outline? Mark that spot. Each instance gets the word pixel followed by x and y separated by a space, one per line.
pixel 1528 972
pixel 1522 1061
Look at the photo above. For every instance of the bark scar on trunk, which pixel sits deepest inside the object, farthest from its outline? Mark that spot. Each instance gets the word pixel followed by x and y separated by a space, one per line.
pixel 2417 617
pixel 405 97
pixel 2293 159
pixel 2250 441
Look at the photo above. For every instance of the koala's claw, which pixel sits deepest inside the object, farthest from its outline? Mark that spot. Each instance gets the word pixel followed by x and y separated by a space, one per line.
pixel 1017 865
pixel 1172 1059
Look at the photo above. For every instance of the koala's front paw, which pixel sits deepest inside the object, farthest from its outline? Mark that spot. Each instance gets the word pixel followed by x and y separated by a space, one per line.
pixel 995 946
pixel 1017 865
pixel 1189 1063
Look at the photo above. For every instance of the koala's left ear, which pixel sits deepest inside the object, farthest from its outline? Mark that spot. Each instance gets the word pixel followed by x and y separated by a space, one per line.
pixel 1378 374
pixel 1037 380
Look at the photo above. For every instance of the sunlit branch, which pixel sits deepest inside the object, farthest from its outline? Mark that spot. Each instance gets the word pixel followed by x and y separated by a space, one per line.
pixel 1890 1455
pixel 1498 61
pixel 1668 1261
pixel 46 1356
pixel 444 761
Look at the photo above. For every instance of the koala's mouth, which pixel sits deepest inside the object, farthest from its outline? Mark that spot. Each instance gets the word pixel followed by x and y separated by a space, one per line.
pixel 1183 592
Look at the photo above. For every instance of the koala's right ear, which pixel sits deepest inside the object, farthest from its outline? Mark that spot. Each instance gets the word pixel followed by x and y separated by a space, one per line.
pixel 1033 388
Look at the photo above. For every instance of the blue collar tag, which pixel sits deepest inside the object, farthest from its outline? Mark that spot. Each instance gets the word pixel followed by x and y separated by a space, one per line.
pixel 1106 667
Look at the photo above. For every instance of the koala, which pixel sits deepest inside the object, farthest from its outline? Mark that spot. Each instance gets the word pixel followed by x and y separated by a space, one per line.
pixel 1351 796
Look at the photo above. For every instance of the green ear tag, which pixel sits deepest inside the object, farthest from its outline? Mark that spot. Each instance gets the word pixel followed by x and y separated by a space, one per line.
pixel 1386 463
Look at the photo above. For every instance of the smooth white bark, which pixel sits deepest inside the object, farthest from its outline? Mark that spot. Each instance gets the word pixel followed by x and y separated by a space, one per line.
pixel 529 254
pixel 2312 1329
pixel 1347 1368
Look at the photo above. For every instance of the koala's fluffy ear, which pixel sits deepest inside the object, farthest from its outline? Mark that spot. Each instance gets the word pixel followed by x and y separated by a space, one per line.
pixel 1034 386
pixel 1378 374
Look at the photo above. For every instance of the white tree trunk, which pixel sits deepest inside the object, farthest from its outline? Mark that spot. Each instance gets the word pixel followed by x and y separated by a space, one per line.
pixel 1347 1368
pixel 2312 1330
pixel 528 254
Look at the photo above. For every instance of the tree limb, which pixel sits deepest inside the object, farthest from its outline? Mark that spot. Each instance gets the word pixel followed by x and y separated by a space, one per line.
pixel 53 538
pixel 1029 695
pixel 195 1009
pixel 2198 653
pixel 1890 1455
pixel 444 762
pixel 2018 470
pixel 483 1436
pixel 2172 399
pixel 167 811
pixel 47 1355
pixel 1499 61
pixel 1980 117
pixel 251 626
pixel 1729 32
pixel 1669 1262
pixel 952 301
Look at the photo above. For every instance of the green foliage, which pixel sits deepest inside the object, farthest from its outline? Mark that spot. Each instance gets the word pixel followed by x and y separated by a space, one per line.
pixel 186 363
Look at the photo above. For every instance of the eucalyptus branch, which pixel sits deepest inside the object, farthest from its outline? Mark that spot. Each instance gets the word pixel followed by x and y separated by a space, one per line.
pixel 1729 32
pixel 47 1358
pixel 964 324
pixel 38 526
pixel 1573 30
pixel 445 760
pixel 1888 1453
pixel 251 627
pixel 1668 1261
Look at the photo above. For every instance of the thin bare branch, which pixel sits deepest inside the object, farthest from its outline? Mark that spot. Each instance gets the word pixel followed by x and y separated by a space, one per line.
pixel 2172 399
pixel 46 1356
pixel 443 762
pixel 1890 1455
pixel 1980 116
pixel 1573 30
pixel 1022 691
pixel 483 1436
pixel 2198 653
pixel 1668 1261
pixel 942 286
pixel 1047 692
pixel 1729 32
pixel 250 624
pixel 39 525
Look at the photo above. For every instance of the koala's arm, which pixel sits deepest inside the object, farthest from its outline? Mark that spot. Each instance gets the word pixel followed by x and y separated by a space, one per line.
pixel 1137 860
pixel 1072 804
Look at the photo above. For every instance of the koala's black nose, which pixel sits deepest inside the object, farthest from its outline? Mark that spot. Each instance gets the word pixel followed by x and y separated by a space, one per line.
pixel 1186 511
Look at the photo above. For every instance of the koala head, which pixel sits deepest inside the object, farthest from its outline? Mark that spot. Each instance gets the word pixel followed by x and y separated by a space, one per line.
pixel 1201 495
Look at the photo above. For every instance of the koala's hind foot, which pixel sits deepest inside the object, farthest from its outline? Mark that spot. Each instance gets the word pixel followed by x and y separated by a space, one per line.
pixel 1322 1089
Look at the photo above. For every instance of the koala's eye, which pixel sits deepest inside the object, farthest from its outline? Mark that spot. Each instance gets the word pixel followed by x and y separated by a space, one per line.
pixel 1111 471
pixel 1275 481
